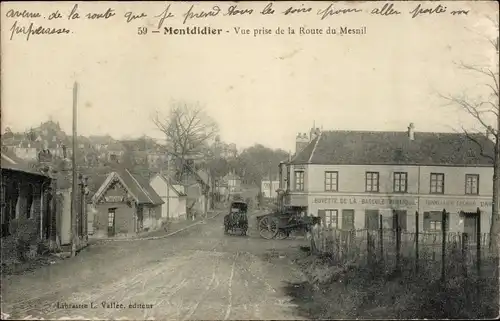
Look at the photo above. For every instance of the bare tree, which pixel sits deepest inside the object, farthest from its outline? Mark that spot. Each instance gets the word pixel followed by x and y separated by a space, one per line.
pixel 187 129
pixel 486 112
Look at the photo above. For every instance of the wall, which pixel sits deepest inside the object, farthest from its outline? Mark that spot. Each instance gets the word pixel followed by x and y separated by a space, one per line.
pixel 351 193
pixel 152 217
pixel 124 219
pixel 174 206
pixel 65 217
pixel 352 177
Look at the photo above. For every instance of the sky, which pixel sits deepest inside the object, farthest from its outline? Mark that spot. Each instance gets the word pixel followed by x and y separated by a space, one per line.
pixel 260 89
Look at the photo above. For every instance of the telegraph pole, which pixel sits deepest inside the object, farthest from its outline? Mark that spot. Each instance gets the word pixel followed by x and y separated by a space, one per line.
pixel 74 189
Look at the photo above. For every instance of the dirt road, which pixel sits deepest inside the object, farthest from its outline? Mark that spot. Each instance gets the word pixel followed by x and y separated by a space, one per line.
pixel 199 273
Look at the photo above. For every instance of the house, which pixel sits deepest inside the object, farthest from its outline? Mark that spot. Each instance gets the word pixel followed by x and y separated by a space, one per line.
pixel 27 210
pixel 125 205
pixel 353 178
pixel 233 182
pixel 197 187
pixel 269 188
pixel 173 195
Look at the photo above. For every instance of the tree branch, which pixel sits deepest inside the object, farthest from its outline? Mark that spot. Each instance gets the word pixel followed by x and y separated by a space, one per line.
pixel 481 147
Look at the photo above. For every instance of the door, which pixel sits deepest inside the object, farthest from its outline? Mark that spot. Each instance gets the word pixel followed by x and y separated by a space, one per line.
pixel 399 218
pixel 348 219
pixel 470 226
pixel 111 222
pixel 371 219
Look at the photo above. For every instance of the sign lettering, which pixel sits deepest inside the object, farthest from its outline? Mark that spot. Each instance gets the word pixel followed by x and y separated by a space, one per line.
pixel 351 200
pixel 401 202
pixel 114 199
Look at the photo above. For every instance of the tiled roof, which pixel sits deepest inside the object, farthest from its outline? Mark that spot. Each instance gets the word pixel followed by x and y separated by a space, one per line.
pixel 137 186
pixel 11 162
pixel 384 148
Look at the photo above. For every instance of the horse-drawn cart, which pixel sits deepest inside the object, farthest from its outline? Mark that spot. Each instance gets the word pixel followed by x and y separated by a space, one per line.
pixel 279 224
pixel 237 218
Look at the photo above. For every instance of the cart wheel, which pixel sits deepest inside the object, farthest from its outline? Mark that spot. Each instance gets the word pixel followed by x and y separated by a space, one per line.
pixel 282 235
pixel 268 227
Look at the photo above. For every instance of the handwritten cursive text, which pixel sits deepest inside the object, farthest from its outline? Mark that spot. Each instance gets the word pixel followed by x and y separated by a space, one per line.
pixel 34 30
pixel 330 11
pixel 202 14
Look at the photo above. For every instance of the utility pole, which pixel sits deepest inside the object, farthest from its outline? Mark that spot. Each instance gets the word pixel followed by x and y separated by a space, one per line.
pixel 270 182
pixel 74 189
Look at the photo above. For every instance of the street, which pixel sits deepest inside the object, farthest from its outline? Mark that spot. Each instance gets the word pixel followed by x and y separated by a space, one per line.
pixel 199 273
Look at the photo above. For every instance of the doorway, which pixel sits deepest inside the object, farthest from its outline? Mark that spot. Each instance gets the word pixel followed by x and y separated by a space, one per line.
pixel 470 226
pixel 111 222
pixel 399 219
pixel 371 219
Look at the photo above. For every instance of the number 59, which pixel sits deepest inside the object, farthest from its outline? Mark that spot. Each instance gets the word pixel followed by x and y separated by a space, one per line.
pixel 142 30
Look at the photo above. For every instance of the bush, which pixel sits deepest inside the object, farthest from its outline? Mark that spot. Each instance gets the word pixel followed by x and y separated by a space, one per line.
pixel 24 233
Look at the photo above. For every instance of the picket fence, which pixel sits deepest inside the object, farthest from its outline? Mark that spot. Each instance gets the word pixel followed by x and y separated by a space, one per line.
pixel 391 247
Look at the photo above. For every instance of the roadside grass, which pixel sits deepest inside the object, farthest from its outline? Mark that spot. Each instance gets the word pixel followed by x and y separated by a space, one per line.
pixel 353 290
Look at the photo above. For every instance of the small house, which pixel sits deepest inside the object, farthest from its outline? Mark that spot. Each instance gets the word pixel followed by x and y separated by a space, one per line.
pixel 125 205
pixel 173 195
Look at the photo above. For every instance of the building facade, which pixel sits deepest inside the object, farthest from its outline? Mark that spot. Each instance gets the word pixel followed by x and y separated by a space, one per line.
pixel 173 196
pixel 352 178
pixel 125 205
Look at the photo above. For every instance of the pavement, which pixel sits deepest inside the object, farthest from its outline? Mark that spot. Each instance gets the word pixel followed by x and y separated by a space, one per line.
pixel 195 274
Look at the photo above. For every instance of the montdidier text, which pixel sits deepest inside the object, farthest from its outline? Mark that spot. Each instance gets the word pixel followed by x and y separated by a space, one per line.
pixel 191 31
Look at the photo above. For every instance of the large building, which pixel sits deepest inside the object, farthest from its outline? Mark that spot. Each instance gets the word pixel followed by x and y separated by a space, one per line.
pixel 350 178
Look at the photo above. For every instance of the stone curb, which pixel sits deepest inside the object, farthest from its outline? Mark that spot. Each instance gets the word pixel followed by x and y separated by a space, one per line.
pixel 157 237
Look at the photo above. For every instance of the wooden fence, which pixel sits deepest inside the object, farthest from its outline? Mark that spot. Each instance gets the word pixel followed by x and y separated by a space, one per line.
pixel 436 250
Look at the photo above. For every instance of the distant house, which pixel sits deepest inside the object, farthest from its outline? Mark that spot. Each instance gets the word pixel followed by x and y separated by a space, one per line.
pixel 173 196
pixel 269 188
pixel 125 204
pixel 233 182
pixel 197 187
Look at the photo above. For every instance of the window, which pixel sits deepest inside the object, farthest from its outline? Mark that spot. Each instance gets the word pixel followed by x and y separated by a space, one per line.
pixel 437 183
pixel 433 221
pixel 472 184
pixel 299 180
pixel 348 219
pixel 331 181
pixel 371 184
pixel 400 184
pixel 434 226
pixel 331 218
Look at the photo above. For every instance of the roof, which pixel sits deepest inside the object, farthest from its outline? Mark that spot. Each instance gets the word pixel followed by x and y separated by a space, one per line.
pixel 140 190
pixel 391 148
pixel 171 183
pixel 10 161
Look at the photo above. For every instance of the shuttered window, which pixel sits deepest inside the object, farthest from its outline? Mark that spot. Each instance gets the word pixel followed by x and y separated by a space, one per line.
pixel 348 219
pixel 372 219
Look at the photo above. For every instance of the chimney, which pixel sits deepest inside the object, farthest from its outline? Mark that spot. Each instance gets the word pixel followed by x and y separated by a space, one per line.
pixel 489 132
pixel 65 153
pixel 411 131
pixel 301 142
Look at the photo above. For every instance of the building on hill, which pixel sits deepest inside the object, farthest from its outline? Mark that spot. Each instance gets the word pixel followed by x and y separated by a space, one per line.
pixel 350 178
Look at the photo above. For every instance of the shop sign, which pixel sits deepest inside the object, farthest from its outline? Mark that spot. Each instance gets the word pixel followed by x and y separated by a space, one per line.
pixel 457 203
pixel 114 199
pixel 356 200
